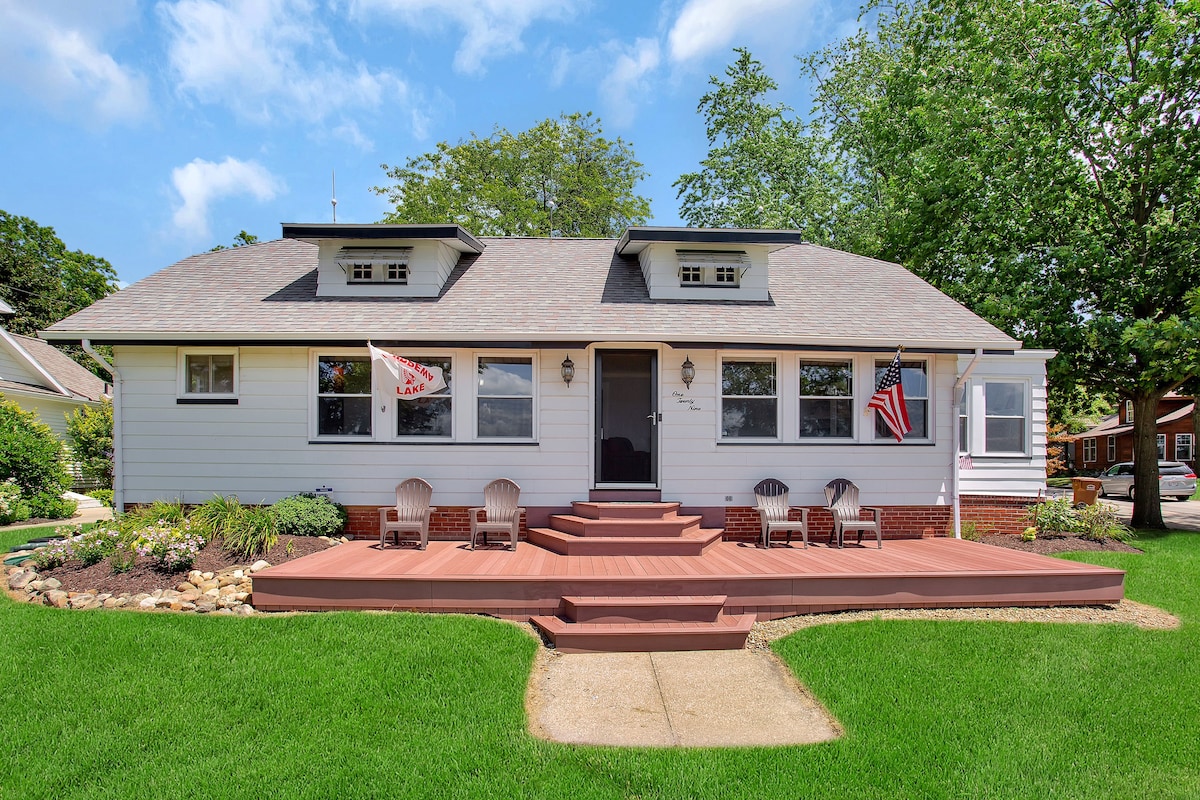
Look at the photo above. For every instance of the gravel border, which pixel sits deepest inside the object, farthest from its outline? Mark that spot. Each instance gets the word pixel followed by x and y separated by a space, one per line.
pixel 1127 612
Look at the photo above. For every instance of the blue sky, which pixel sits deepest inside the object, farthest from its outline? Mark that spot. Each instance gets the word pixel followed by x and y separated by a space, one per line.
pixel 144 132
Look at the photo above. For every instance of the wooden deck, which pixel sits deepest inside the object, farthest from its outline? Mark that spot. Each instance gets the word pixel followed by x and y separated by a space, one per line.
pixel 782 581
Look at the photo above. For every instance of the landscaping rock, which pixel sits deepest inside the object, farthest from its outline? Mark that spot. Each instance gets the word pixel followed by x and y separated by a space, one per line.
pixel 56 598
pixel 19 580
pixel 205 606
pixel 259 566
pixel 80 600
pixel 148 603
pixel 51 584
pixel 207 584
pixel 244 610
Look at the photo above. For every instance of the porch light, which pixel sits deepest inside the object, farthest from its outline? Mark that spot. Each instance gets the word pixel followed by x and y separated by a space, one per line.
pixel 568 370
pixel 687 372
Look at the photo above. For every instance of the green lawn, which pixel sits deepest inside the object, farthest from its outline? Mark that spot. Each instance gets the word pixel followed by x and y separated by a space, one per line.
pixel 127 705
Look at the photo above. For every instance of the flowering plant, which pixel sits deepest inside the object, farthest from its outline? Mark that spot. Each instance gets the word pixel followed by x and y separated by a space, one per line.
pixel 174 547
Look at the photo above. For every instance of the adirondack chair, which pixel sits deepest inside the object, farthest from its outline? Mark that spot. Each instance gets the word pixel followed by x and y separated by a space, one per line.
pixel 771 498
pixel 412 513
pixel 842 496
pixel 500 511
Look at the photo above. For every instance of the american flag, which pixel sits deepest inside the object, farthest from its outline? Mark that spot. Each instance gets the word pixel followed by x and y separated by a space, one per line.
pixel 888 400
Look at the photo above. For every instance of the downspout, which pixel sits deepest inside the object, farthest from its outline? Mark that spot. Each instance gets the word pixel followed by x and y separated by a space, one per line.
pixel 957 397
pixel 118 480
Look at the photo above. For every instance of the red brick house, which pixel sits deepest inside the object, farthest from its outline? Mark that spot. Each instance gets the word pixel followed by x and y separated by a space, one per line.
pixel 1111 441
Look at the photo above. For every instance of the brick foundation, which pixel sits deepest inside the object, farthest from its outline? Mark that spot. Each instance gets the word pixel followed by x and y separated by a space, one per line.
pixel 448 523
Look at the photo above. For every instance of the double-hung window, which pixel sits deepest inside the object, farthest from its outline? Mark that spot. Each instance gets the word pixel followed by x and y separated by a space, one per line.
pixel 344 402
pixel 1161 441
pixel 504 400
pixel 207 374
pixel 1005 417
pixel 431 415
pixel 914 380
pixel 826 399
pixel 1112 449
pixel 1089 450
pixel 749 399
pixel 1184 450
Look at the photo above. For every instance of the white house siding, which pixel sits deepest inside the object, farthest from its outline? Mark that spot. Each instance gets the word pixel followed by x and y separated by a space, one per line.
pixel 660 268
pixel 17 370
pixel 52 412
pixel 429 266
pixel 261 449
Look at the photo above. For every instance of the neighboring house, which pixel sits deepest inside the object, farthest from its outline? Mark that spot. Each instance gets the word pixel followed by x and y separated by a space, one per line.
pixel 700 361
pixel 1111 441
pixel 40 378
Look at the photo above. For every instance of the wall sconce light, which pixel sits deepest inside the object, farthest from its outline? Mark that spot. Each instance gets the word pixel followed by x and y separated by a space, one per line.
pixel 687 372
pixel 568 370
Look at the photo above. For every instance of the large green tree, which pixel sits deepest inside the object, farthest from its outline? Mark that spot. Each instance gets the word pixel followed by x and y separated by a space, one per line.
pixel 41 279
pixel 559 178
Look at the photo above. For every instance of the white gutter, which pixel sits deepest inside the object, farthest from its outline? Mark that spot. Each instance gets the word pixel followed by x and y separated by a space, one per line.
pixel 118 481
pixel 957 398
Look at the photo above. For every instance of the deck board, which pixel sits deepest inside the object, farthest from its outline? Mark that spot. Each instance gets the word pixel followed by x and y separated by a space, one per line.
pixel 772 583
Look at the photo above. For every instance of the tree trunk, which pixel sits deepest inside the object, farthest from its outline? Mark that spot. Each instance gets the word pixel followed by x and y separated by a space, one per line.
pixel 1147 511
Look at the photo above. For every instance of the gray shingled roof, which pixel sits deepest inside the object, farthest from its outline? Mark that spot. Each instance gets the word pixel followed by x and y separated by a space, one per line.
pixel 78 381
pixel 533 290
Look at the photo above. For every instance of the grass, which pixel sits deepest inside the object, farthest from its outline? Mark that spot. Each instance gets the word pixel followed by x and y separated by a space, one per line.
pixel 125 705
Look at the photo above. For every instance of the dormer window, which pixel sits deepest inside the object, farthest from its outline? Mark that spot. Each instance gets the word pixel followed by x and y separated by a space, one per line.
pixel 374 265
pixel 722 268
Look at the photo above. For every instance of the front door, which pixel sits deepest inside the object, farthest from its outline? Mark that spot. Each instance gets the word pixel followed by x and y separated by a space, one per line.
pixel 626 417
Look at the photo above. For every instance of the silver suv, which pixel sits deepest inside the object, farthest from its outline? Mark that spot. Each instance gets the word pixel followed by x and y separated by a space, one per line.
pixel 1175 479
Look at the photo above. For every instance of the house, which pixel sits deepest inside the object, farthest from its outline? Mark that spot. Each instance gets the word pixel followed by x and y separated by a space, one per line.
pixel 672 363
pixel 40 378
pixel 1111 441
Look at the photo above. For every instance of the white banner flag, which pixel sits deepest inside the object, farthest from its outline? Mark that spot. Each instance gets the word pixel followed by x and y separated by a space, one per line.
pixel 403 378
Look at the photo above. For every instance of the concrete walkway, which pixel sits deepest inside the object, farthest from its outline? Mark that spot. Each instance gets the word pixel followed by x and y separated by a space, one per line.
pixel 716 698
pixel 84 516
pixel 1178 516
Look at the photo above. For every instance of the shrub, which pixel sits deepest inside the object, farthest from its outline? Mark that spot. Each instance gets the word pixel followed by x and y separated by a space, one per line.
pixel 91 434
pixel 174 547
pixel 969 530
pixel 255 533
pixel 13 507
pixel 308 514
pixel 30 454
pixel 105 496
pixel 160 513
pixel 1099 522
pixel 1053 516
pixel 51 506
pixel 96 544
pixel 218 515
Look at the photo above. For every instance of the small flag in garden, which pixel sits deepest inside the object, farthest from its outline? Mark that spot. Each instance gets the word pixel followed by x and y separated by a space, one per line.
pixel 965 462
pixel 888 400
pixel 398 376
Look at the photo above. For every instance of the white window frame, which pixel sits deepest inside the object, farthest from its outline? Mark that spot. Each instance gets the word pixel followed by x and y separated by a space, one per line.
pixel 717 268
pixel 393 407
pixel 868 391
pixel 1027 417
pixel 1112 449
pixel 1128 412
pixel 391 265
pixel 1160 441
pixel 1180 439
pixel 182 384
pixel 1091 448
pixel 314 397
pixel 721 396
pixel 852 398
pixel 532 357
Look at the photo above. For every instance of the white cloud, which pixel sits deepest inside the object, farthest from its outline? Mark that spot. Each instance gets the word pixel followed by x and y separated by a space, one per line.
pixel 201 183
pixel 628 75
pixel 492 28
pixel 706 26
pixel 267 59
pixel 349 132
pixel 54 52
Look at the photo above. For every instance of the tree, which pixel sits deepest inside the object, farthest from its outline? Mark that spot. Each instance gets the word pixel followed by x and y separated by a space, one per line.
pixel 1038 162
pixel 42 280
pixel 241 240
pixel 559 178
pixel 764 168
pixel 31 457
pixel 91 432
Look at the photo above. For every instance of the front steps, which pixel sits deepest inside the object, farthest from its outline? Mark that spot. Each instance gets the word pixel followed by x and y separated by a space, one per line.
pixel 624 529
pixel 625 624
pixel 645 624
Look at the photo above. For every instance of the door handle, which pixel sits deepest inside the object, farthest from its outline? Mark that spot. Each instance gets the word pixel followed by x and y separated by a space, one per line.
pixel 654 418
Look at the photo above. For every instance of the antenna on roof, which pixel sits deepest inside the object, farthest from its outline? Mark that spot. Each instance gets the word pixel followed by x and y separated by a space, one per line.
pixel 333 201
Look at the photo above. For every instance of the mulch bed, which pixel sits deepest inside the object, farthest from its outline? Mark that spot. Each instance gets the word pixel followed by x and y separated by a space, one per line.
pixel 1059 543
pixel 144 577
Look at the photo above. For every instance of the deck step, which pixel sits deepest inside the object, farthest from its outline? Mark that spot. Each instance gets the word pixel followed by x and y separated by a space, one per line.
pixel 624 527
pixel 666 608
pixel 693 542
pixel 601 510
pixel 725 633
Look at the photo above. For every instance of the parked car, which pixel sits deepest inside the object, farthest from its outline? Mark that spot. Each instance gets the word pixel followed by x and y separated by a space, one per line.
pixel 1174 480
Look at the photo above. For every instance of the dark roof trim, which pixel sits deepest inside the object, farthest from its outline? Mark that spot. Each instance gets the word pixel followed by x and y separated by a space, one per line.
pixel 323 343
pixel 831 348
pixel 454 235
pixel 636 238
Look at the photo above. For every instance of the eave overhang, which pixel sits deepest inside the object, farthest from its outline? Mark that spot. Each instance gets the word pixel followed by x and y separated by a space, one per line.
pixel 636 239
pixel 454 236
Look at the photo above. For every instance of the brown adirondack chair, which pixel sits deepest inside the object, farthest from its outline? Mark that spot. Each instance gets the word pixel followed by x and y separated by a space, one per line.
pixel 771 498
pixel 412 513
pixel 842 497
pixel 500 511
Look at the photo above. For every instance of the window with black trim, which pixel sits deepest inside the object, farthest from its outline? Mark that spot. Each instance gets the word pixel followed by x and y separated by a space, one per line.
pixel 504 399
pixel 749 399
pixel 344 402
pixel 826 399
pixel 915 382
pixel 431 415
pixel 208 373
